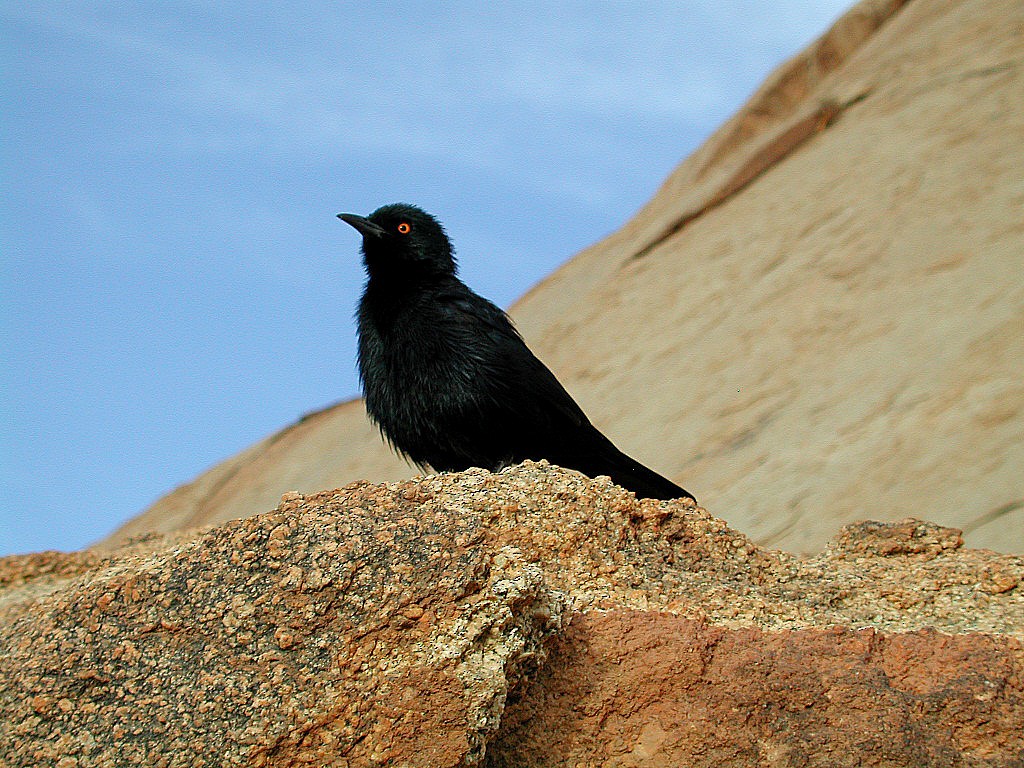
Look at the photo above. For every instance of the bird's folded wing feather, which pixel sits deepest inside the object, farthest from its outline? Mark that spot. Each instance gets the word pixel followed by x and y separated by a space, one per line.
pixel 515 368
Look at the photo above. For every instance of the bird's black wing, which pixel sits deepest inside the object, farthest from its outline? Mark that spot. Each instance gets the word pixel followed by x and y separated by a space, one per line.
pixel 523 412
pixel 513 379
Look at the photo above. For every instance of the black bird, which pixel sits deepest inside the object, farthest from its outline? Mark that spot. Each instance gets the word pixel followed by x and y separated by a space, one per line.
pixel 447 377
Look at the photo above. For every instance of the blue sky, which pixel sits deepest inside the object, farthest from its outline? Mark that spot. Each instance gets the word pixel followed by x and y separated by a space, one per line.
pixel 174 283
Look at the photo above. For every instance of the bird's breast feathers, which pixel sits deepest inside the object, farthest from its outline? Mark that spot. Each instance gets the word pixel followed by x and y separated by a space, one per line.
pixel 425 354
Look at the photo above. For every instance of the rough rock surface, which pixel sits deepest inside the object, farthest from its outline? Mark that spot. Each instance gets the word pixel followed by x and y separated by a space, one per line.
pixel 626 689
pixel 392 625
pixel 823 305
pixel 357 629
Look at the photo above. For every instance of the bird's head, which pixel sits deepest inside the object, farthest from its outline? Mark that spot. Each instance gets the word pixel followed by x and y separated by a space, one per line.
pixel 403 239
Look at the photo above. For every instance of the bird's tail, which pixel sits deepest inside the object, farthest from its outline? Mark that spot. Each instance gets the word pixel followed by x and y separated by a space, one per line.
pixel 631 474
pixel 645 482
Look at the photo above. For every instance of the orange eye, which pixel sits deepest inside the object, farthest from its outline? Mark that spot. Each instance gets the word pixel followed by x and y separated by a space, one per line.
pixel 404 228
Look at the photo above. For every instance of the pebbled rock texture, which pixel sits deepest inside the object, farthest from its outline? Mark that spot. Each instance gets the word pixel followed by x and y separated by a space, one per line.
pixel 353 629
pixel 530 617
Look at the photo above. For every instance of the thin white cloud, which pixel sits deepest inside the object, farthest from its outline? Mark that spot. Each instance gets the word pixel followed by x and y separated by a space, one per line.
pixel 482 87
pixel 614 59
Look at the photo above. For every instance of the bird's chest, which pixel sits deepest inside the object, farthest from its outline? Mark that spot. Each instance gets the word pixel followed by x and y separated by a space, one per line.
pixel 414 361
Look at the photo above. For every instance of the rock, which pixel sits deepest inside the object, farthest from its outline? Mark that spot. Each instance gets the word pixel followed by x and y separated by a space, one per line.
pixel 843 332
pixel 627 689
pixel 821 306
pixel 529 617
pixel 342 630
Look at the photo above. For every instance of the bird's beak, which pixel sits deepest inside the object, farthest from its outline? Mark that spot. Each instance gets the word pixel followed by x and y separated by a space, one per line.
pixel 366 227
